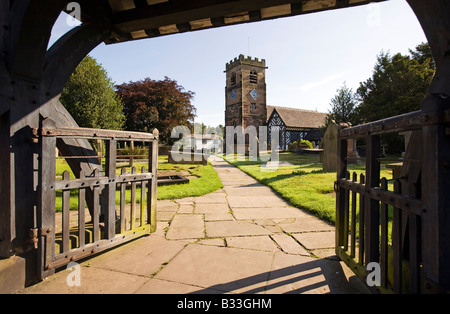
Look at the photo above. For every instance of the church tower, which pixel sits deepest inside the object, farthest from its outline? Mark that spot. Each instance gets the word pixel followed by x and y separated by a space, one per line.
pixel 245 92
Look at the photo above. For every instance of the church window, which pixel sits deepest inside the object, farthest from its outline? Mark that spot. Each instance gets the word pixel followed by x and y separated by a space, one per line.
pixel 253 77
pixel 253 106
pixel 233 79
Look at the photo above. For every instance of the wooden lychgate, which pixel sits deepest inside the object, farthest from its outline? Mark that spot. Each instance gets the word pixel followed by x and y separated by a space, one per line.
pixel 32 76
pixel 404 226
pixel 103 219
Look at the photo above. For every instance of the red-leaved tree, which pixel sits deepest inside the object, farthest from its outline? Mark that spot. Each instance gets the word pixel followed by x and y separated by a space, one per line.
pixel 150 104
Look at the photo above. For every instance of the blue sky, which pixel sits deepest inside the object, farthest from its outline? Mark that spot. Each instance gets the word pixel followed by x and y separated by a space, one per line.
pixel 308 57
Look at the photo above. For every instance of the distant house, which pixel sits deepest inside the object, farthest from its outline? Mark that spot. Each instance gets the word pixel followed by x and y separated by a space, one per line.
pixel 295 124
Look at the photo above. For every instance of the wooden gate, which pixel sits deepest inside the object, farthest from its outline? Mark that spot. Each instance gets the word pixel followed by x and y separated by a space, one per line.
pixel 111 216
pixel 380 220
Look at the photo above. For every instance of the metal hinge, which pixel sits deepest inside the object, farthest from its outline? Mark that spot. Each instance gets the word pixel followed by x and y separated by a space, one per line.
pixel 34 238
pixel 39 232
pixel 34 135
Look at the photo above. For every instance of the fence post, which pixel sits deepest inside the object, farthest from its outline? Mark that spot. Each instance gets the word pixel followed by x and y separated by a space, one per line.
pixel 372 206
pixel 152 186
pixel 340 196
pixel 46 216
pixel 110 189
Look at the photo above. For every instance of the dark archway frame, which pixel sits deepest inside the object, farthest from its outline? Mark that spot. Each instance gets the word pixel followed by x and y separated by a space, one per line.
pixel 32 77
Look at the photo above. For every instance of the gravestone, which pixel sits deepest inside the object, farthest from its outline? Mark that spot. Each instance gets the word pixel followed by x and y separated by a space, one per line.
pixel 188 158
pixel 329 143
pixel 407 136
pixel 352 153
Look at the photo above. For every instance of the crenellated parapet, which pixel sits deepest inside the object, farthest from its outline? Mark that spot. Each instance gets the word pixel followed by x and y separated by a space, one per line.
pixel 245 60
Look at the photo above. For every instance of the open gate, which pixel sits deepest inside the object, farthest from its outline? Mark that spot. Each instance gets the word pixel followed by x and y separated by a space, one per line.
pixel 384 221
pixel 108 208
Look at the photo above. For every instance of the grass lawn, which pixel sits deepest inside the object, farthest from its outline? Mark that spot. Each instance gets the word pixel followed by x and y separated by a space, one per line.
pixel 305 184
pixel 202 180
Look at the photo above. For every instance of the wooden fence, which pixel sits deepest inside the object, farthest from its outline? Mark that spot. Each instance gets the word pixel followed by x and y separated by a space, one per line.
pixel 103 223
pixel 380 220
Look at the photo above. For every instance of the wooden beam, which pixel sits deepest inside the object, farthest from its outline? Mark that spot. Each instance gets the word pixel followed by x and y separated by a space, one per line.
pixel 98 11
pixel 372 213
pixel 140 3
pixel 180 11
pixel 110 189
pixel 433 17
pixel 31 25
pixel 6 217
pixel 65 55
pixel 340 195
pixel 4 32
pixel 342 3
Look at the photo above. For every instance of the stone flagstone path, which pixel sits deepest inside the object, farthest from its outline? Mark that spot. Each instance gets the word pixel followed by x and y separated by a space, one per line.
pixel 242 238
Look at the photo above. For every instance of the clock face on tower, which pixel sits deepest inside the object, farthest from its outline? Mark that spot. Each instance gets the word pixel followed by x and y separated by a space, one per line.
pixel 233 94
pixel 254 94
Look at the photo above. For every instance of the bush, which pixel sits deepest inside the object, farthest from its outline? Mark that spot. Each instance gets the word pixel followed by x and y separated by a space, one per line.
pixel 306 143
pixel 138 150
pixel 293 146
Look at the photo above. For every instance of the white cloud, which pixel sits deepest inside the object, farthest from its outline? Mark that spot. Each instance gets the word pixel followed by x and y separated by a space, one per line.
pixel 329 79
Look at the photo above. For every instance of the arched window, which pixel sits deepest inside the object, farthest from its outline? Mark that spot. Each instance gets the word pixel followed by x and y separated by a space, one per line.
pixel 253 77
pixel 233 79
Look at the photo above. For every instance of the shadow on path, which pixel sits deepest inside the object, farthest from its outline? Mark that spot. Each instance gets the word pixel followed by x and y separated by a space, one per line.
pixel 318 276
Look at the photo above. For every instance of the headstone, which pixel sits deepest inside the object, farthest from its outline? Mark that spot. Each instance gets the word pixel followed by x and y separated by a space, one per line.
pixel 407 136
pixel 352 152
pixel 329 142
pixel 187 158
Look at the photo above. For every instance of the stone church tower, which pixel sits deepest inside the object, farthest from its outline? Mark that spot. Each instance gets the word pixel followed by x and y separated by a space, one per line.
pixel 245 92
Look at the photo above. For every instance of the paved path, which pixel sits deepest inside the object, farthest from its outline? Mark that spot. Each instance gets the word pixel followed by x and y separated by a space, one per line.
pixel 240 239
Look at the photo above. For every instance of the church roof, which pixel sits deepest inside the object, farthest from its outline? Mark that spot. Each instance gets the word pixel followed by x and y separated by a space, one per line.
pixel 298 118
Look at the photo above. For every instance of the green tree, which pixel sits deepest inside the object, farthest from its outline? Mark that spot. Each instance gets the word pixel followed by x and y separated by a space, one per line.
pixel 398 85
pixel 343 106
pixel 90 98
pixel 423 54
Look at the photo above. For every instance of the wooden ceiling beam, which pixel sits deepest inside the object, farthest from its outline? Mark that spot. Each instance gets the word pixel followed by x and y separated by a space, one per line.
pixel 181 11
pixel 140 3
pixel 342 3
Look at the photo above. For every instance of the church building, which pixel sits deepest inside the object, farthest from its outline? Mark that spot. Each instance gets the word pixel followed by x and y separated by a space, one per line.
pixel 246 105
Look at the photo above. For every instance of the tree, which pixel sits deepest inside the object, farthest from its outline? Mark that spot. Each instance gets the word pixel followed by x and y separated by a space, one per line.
pixel 398 85
pixel 423 54
pixel 342 106
pixel 150 104
pixel 90 98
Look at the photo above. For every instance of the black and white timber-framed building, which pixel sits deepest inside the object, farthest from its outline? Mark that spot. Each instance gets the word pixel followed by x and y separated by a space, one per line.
pixel 295 124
